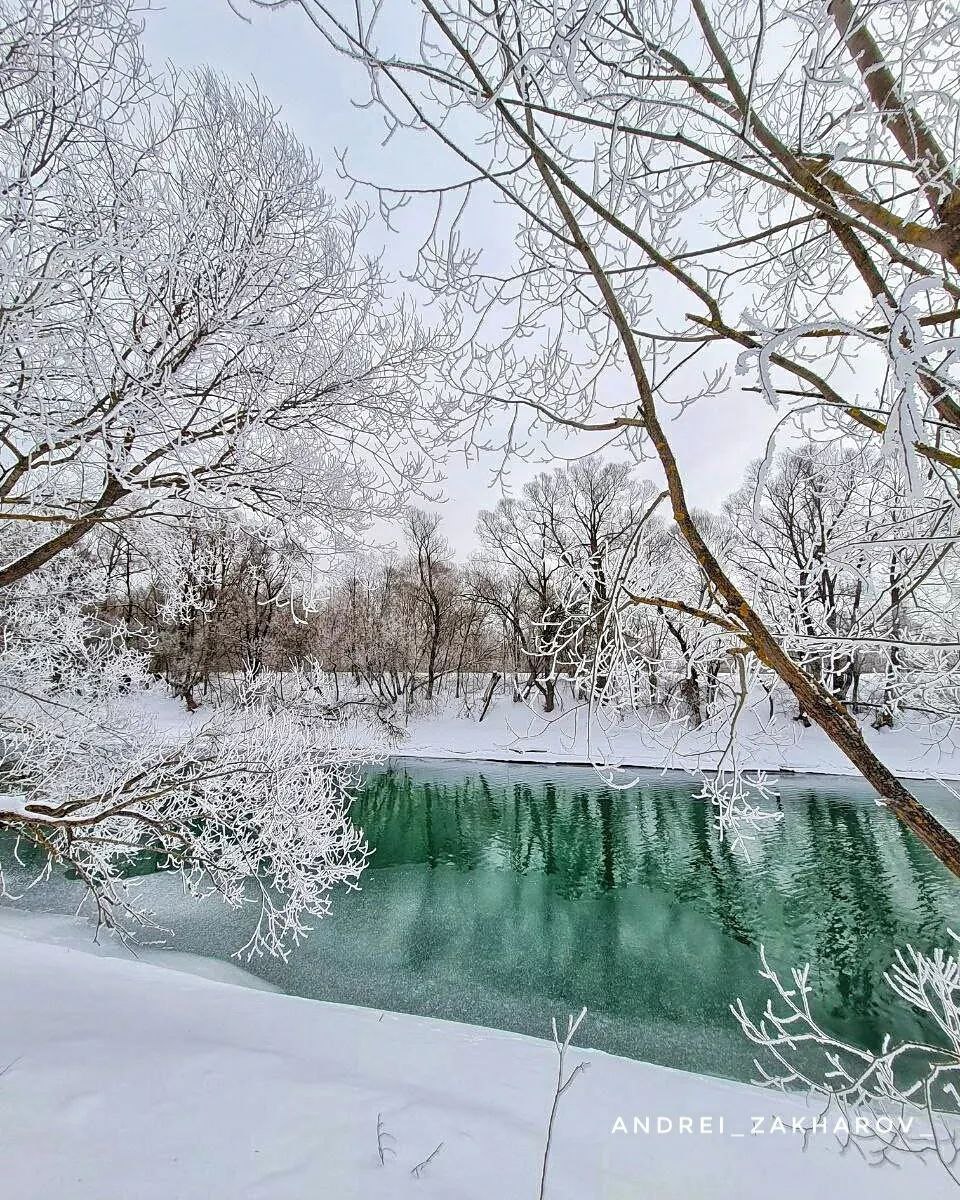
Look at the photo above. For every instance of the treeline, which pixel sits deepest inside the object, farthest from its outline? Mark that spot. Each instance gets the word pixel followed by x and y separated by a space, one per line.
pixel 580 588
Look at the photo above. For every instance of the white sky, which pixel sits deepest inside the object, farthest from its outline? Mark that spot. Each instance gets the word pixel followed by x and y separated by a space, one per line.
pixel 315 90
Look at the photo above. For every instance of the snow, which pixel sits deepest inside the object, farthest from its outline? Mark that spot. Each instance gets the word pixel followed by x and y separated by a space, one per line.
pixel 164 717
pixel 515 733
pixel 125 1079
pixel 14 803
pixel 55 929
pixel 519 733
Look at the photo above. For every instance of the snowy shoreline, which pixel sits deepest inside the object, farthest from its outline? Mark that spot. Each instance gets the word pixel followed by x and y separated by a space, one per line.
pixel 529 759
pixel 287 1093
pixel 513 734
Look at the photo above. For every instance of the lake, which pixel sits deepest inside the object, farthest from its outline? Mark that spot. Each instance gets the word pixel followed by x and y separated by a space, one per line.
pixel 504 894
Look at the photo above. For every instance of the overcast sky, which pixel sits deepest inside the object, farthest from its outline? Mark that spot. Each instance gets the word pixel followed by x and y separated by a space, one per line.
pixel 316 91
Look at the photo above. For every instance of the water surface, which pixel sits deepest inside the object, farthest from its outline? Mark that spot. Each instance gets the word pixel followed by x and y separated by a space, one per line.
pixel 501 895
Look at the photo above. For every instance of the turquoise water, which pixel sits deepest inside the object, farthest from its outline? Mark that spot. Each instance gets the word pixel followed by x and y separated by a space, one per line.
pixel 501 895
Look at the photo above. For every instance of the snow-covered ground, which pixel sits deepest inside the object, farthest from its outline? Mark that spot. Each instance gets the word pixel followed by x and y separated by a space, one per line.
pixel 514 732
pixel 120 1080
pixel 517 733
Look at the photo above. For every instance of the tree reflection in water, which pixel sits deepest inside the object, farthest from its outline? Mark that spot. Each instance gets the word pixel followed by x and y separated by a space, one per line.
pixel 501 895
pixel 627 901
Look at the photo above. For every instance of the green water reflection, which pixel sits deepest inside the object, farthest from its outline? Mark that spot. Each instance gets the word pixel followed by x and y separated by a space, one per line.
pixel 532 890
pixel 502 895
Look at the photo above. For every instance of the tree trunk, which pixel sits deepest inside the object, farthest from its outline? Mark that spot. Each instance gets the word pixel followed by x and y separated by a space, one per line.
pixel 812 697
pixel 42 554
pixel 488 696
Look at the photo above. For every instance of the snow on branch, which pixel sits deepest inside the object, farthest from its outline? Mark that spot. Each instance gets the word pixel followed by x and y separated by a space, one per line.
pixel 907 1089
pixel 251 803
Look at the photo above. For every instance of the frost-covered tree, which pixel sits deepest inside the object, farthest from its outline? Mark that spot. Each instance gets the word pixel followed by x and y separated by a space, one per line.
pixel 901 1098
pixel 248 802
pixel 558 544
pixel 434 591
pixel 212 598
pixel 195 356
pixel 520 537
pixel 698 190
pixel 403 623
pixel 187 320
pixel 857 577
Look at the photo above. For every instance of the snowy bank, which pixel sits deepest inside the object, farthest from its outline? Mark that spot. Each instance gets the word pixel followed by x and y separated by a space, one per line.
pixel 516 733
pixel 121 1079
